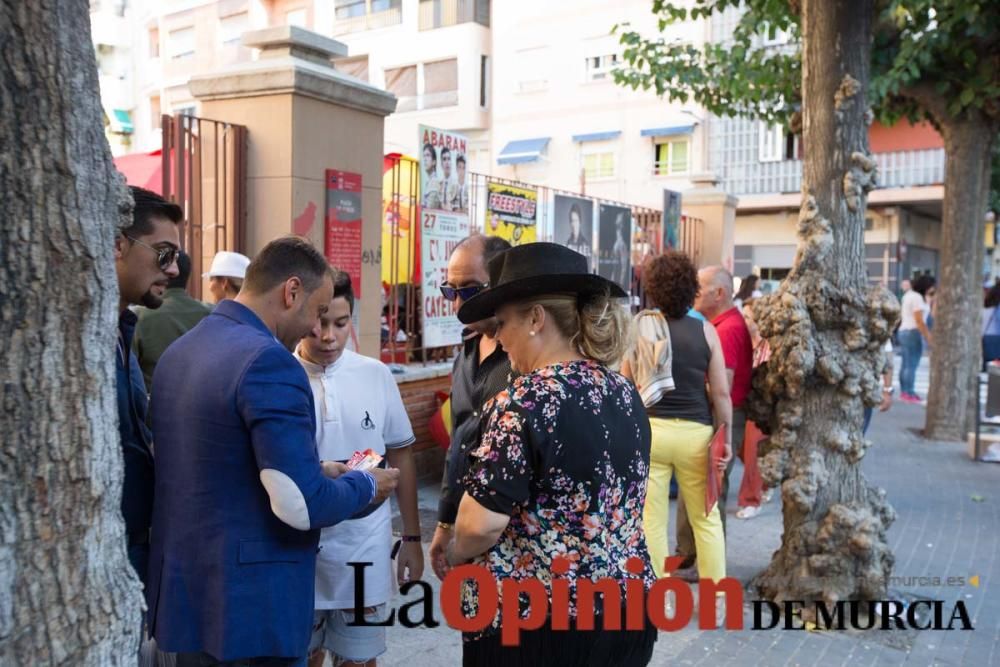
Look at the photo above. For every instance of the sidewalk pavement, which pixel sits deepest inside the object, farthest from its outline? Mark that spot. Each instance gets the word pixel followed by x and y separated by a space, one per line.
pixel 948 525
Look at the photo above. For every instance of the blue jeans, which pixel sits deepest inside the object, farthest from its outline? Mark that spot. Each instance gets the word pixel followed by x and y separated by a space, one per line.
pixel 912 346
pixel 868 420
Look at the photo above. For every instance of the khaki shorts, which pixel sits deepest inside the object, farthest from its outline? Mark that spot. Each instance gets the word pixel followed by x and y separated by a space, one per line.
pixel 349 643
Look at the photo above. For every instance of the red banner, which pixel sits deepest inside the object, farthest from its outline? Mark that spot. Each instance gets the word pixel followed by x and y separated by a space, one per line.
pixel 342 236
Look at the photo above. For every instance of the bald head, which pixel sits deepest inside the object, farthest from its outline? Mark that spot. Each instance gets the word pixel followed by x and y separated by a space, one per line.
pixel 468 267
pixel 715 293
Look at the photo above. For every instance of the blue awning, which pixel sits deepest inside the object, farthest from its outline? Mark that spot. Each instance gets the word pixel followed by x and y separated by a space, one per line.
pixel 121 122
pixel 668 131
pixel 523 150
pixel 596 136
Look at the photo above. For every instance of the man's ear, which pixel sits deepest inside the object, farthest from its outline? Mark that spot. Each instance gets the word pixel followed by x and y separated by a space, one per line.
pixel 120 241
pixel 292 291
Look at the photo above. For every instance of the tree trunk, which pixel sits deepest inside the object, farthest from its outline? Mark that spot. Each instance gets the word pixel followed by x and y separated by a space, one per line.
pixel 957 352
pixel 67 593
pixel 827 330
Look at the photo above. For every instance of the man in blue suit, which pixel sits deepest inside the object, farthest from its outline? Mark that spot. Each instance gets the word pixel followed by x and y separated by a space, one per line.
pixel 240 492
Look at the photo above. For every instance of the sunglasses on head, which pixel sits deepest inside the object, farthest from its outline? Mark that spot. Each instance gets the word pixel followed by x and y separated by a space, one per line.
pixel 164 256
pixel 451 293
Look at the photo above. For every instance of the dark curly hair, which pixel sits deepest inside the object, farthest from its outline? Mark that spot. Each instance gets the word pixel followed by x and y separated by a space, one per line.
pixel 671 283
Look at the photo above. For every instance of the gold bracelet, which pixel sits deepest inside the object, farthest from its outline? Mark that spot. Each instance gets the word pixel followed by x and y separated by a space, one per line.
pixel 445 526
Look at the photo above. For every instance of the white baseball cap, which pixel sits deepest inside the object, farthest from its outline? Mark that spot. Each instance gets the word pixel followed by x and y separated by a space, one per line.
pixel 228 265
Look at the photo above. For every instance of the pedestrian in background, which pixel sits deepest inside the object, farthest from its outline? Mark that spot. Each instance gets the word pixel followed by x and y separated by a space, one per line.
pixel 913 331
pixel 157 329
pixel 684 419
pixel 715 302
pixel 225 276
pixel 562 465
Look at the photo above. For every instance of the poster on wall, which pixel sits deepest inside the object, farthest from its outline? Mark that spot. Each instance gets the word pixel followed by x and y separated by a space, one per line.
pixel 342 231
pixel 671 219
pixel 614 244
pixel 510 213
pixel 444 222
pixel 573 224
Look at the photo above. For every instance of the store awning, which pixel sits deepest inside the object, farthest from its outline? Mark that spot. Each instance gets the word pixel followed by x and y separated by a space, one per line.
pixel 121 122
pixel 668 131
pixel 523 150
pixel 596 136
pixel 142 169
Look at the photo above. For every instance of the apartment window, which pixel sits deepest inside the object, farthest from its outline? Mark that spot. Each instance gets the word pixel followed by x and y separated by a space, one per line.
pixel 345 9
pixel 672 157
pixel 154 111
pixel 600 67
pixel 356 67
pixel 358 15
pixel 402 82
pixel 532 66
pixel 599 164
pixel 296 17
pixel 771 144
pixel 186 110
pixel 154 42
pixel 231 28
pixel 443 13
pixel 181 42
pixel 484 72
pixel 440 84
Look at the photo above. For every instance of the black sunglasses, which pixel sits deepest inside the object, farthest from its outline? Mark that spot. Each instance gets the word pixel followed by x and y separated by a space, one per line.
pixel 164 256
pixel 451 293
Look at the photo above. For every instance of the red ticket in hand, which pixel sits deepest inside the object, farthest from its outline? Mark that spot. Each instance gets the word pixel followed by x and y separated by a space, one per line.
pixel 366 460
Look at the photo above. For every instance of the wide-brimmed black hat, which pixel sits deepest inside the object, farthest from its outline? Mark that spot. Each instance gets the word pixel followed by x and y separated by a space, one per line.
pixel 531 270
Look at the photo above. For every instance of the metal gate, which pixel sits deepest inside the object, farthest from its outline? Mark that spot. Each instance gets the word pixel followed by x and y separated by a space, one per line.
pixel 204 171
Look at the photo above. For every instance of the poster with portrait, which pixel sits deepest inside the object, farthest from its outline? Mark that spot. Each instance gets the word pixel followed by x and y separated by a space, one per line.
pixel 614 244
pixel 573 224
pixel 511 212
pixel 444 222
pixel 444 176
pixel 671 219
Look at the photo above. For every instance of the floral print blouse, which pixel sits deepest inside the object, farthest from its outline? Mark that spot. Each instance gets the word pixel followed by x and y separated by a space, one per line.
pixel 565 453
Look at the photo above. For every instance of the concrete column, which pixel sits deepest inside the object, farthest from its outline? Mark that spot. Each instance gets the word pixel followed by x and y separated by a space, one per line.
pixel 717 208
pixel 304 117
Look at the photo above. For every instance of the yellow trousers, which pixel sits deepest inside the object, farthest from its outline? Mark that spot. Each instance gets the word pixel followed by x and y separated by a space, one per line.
pixel 682 446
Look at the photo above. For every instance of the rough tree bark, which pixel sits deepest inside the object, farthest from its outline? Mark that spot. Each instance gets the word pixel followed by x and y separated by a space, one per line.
pixel 957 352
pixel 827 329
pixel 67 593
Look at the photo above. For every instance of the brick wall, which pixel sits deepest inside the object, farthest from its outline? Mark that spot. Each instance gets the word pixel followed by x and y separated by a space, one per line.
pixel 420 399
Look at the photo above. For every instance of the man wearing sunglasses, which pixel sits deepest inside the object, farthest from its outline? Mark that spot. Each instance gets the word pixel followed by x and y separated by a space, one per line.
pixel 145 262
pixel 481 370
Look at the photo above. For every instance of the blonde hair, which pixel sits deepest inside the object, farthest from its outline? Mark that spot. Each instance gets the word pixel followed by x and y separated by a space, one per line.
pixel 601 328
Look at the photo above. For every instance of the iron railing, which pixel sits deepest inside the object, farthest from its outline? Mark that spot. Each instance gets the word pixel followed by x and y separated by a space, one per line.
pixel 204 171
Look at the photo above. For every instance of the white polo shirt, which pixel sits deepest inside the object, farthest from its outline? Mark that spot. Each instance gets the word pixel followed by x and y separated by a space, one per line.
pixel 358 407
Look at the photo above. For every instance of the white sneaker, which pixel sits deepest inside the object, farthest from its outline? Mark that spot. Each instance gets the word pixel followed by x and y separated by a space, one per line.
pixel 748 512
pixel 768 495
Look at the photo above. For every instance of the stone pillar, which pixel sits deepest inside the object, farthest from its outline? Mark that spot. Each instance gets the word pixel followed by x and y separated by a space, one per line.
pixel 717 208
pixel 304 117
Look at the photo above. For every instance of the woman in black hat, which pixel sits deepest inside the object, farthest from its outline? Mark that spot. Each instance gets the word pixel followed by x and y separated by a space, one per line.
pixel 557 485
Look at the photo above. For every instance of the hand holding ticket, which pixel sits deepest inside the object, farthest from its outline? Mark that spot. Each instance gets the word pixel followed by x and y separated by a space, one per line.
pixel 364 461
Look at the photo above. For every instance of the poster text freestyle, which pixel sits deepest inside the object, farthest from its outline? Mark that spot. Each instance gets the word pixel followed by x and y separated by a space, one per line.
pixel 450 142
pixel 436 305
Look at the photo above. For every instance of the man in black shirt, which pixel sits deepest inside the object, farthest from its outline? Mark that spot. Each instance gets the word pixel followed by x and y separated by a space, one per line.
pixel 481 370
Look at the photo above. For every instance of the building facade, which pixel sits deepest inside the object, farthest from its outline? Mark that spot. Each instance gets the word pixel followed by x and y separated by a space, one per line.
pixel 110 22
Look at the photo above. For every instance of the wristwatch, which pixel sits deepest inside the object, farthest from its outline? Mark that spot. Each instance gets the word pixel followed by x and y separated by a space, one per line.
pixel 889 390
pixel 445 526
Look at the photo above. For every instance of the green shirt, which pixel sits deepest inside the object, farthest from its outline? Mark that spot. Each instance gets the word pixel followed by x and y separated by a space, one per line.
pixel 157 329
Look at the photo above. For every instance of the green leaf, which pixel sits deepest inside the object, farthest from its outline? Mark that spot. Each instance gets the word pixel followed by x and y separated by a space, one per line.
pixel 976 498
pixel 967 96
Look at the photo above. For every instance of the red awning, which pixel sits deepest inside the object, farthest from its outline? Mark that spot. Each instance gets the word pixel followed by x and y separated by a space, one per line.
pixel 142 169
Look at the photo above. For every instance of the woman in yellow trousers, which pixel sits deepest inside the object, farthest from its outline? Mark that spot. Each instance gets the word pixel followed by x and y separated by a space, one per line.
pixel 686 353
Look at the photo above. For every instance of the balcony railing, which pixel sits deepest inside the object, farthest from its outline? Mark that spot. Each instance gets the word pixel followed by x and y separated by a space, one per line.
pixel 895 169
pixel 444 13
pixel 371 21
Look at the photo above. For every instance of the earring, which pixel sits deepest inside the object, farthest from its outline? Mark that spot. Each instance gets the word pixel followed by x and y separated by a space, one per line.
pixel 531 333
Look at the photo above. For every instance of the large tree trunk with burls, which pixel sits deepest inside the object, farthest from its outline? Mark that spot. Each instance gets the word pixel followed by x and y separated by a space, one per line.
pixel 827 330
pixel 67 593
pixel 957 352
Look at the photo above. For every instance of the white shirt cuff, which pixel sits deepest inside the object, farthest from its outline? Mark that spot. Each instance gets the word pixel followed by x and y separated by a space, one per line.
pixel 371 480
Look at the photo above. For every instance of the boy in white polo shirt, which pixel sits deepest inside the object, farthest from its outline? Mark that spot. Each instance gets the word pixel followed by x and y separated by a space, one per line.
pixel 358 407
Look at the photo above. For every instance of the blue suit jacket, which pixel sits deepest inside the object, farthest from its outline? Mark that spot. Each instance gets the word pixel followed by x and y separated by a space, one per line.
pixel 226 576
